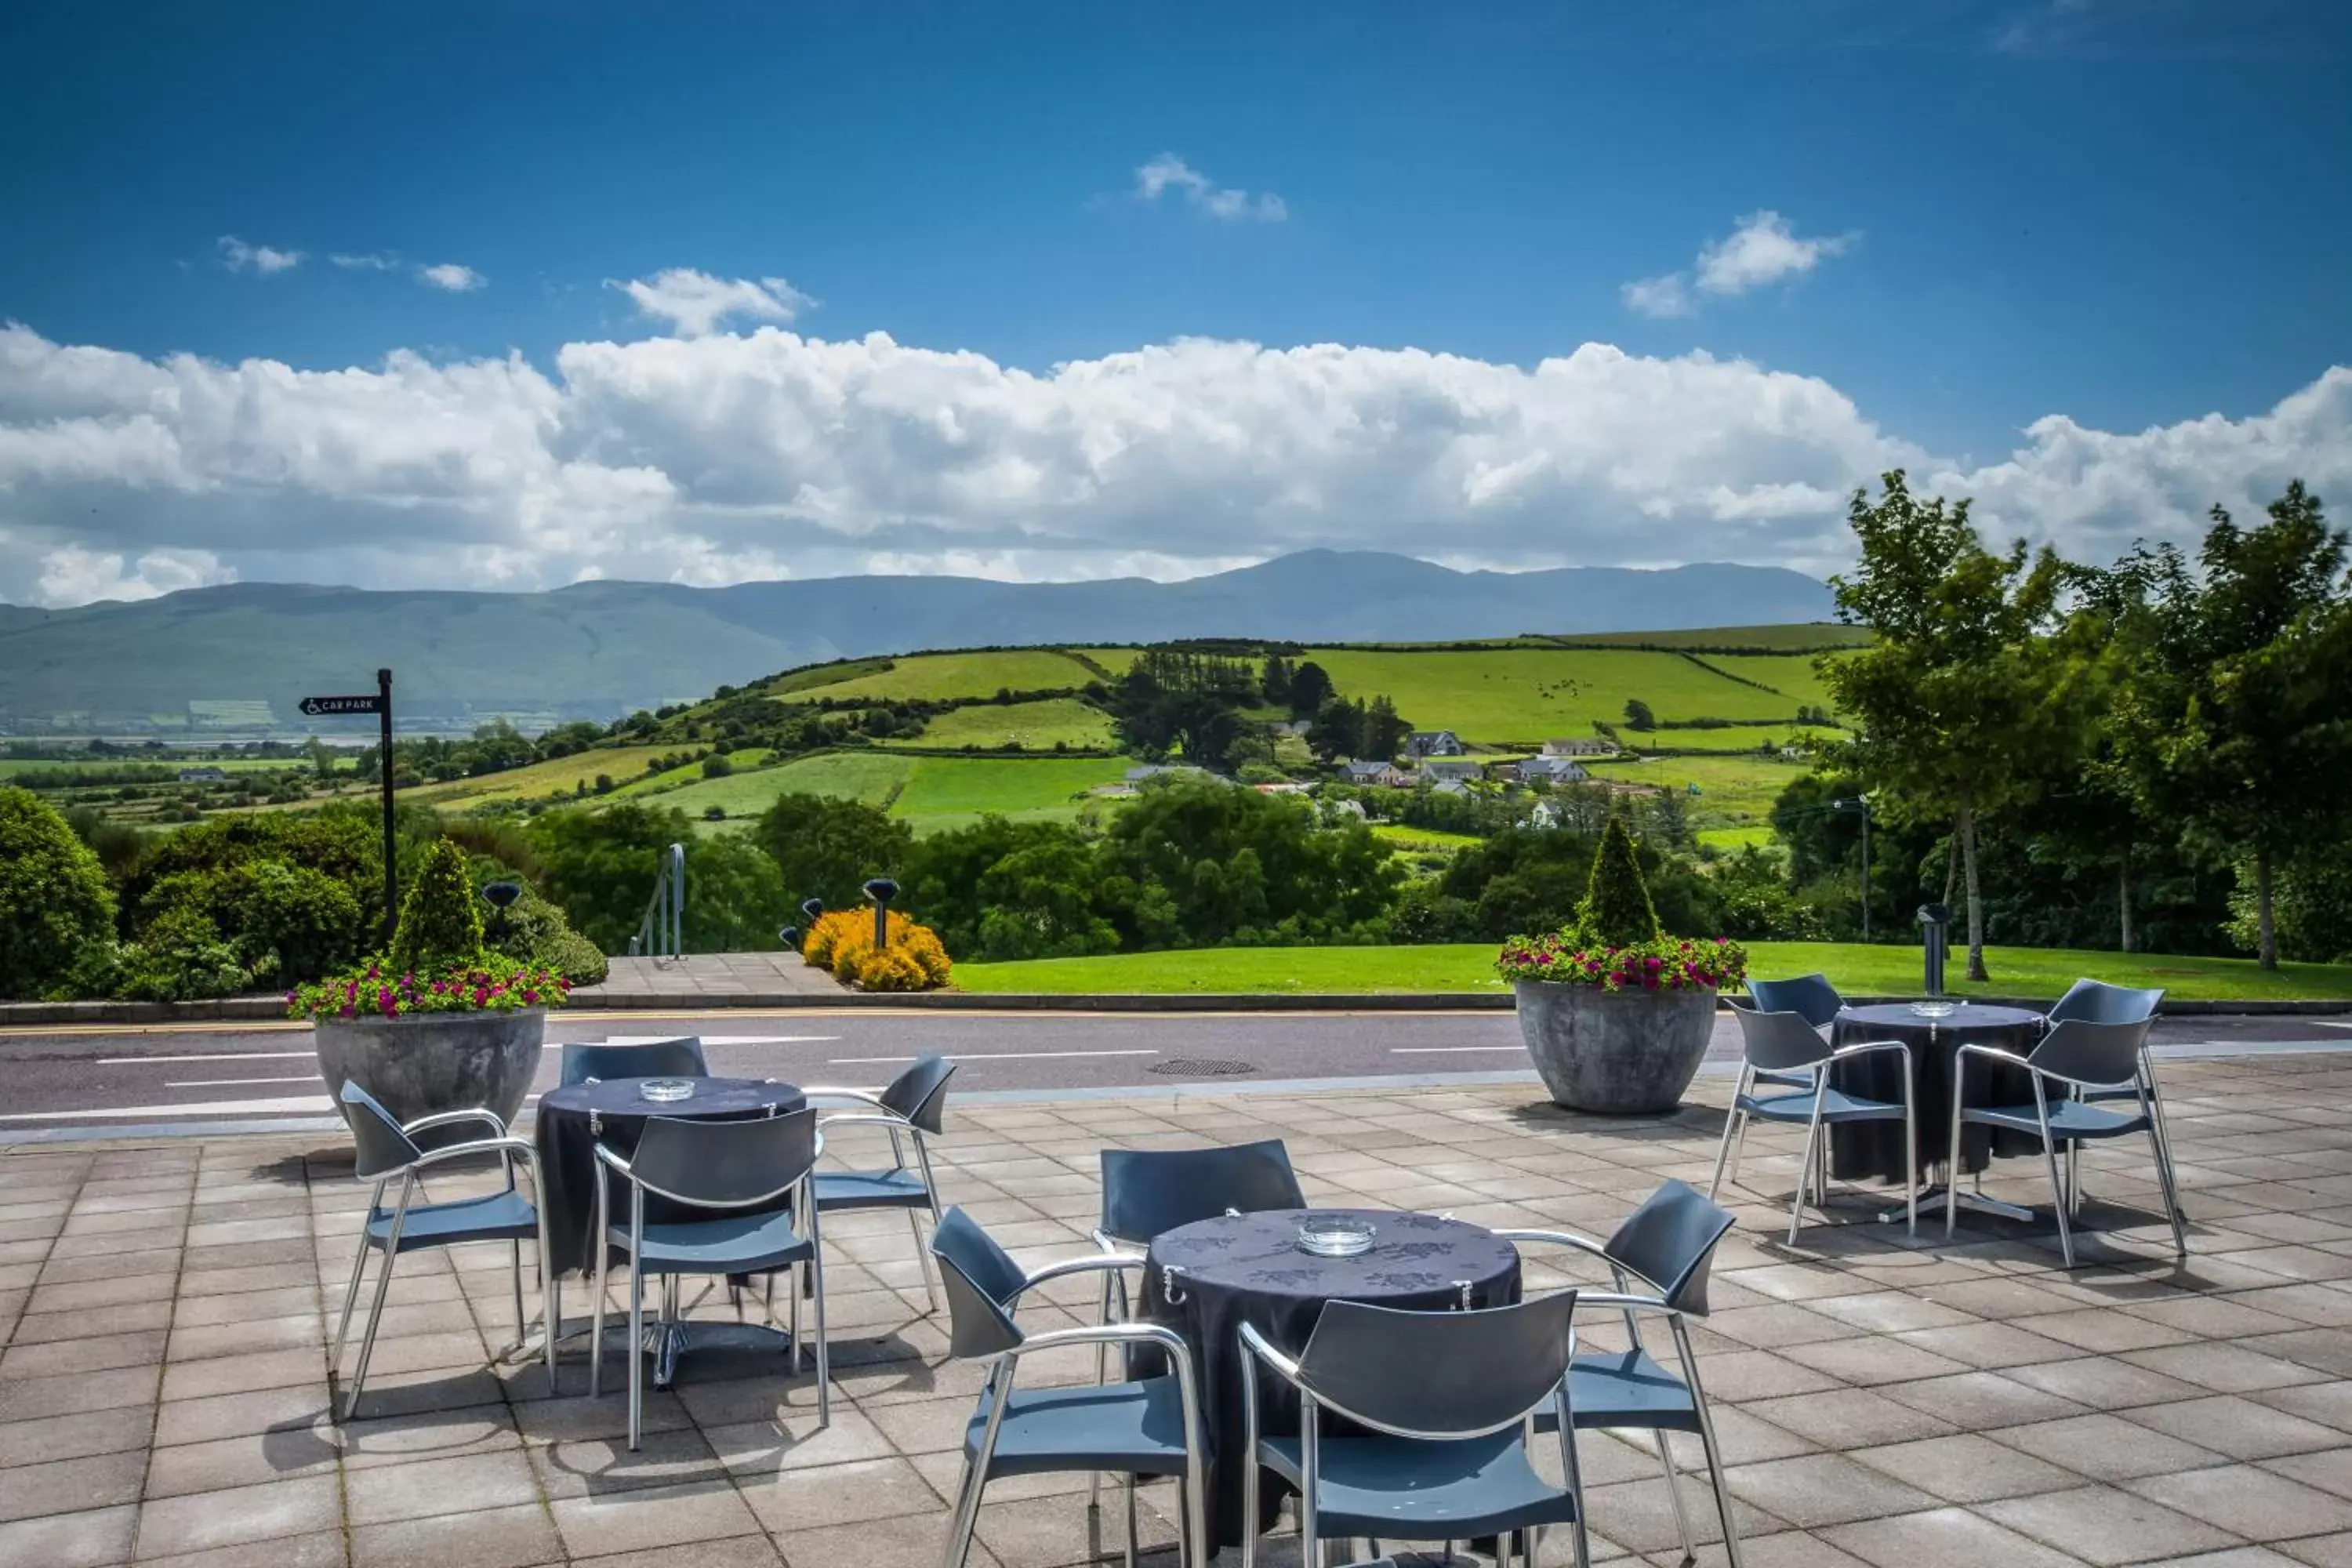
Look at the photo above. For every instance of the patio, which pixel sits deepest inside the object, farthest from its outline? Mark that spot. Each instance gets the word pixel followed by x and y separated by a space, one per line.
pixel 164 1396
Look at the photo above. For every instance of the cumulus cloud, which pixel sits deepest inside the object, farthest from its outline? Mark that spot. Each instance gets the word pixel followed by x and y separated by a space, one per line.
pixel 722 457
pixel 695 304
pixel 1763 247
pixel 238 256
pixel 450 276
pixel 1169 173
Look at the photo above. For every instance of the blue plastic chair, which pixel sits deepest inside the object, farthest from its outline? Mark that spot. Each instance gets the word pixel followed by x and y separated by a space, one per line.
pixel 2100 1003
pixel 681 1057
pixel 1668 1247
pixel 1445 1400
pixel 2076 1053
pixel 1812 997
pixel 758 1169
pixel 387 1148
pixel 1783 1043
pixel 1150 1426
pixel 911 1107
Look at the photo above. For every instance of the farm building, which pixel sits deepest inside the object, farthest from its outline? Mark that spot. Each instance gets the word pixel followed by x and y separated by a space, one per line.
pixel 1593 747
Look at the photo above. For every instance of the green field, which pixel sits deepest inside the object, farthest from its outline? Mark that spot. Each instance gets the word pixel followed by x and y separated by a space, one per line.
pixel 1796 638
pixel 953 792
pixel 1033 726
pixel 1759 836
pixel 1855 968
pixel 1497 696
pixel 933 676
pixel 1117 661
pixel 557 776
pixel 164 769
pixel 1734 790
pixel 1742 737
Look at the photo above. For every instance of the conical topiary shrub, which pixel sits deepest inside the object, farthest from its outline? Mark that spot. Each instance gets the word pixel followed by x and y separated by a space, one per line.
pixel 1616 911
pixel 441 920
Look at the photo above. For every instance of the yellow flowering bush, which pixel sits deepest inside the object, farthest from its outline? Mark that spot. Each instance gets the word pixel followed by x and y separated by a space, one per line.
pixel 842 943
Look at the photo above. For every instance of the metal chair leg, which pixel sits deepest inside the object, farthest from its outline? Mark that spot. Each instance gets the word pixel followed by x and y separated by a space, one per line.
pixel 1675 1494
pixel 824 1356
pixel 923 1259
pixel 375 1316
pixel 800 1272
pixel 2057 1180
pixel 1131 1536
pixel 1804 1172
pixel 351 1294
pixel 522 1328
pixel 1735 1122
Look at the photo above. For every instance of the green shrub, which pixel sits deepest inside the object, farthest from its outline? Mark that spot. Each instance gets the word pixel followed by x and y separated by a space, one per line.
pixel 534 932
pixel 182 957
pixel 1616 911
pixel 285 921
pixel 441 918
pixel 54 895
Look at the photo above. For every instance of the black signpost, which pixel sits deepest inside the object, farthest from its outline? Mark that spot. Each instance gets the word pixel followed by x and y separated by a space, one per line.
pixel 378 702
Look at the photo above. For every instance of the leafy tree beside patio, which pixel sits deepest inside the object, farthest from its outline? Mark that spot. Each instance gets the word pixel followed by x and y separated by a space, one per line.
pixel 2237 721
pixel 1963 696
pixel 54 895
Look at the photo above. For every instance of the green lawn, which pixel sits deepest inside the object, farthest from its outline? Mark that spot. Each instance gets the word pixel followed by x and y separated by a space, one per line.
pixel 1733 839
pixel 938 675
pixel 1745 738
pixel 1855 968
pixel 1428 838
pixel 558 775
pixel 953 792
pixel 1497 696
pixel 1033 726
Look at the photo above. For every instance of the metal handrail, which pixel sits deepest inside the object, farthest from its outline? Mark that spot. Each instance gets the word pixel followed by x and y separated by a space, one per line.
pixel 664 922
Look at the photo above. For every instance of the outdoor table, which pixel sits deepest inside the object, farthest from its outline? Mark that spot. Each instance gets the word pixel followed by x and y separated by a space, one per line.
pixel 1865 1149
pixel 1208 1279
pixel 574 1120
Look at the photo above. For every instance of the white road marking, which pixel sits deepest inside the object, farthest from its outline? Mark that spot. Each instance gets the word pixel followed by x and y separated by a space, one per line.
pixel 706 1039
pixel 300 1104
pixel 1446 1050
pixel 216 1057
pixel 237 1083
pixel 983 1056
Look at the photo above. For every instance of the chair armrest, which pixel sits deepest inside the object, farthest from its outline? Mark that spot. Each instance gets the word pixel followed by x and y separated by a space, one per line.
pixel 1104 1262
pixel 863 1096
pixel 608 1157
pixel 1607 1301
pixel 1863 1046
pixel 1996 1054
pixel 1572 1241
pixel 1254 1344
pixel 870 1119
pixel 504 1147
pixel 446 1117
pixel 1160 1334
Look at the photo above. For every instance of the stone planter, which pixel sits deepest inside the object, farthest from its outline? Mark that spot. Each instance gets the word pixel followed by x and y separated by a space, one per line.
pixel 431 1062
pixel 1620 1053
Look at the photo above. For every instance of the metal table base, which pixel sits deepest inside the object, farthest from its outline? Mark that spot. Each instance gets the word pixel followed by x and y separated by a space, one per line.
pixel 669 1336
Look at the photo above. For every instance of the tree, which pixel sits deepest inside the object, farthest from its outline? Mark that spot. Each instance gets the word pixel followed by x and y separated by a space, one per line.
pixel 2237 723
pixel 828 849
pixel 1384 729
pixel 1310 689
pixel 1638 715
pixel 1338 729
pixel 1962 687
pixel 1274 680
pixel 601 865
pixel 54 897
pixel 1616 911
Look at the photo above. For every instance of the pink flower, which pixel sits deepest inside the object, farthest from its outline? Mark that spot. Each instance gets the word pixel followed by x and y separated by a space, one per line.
pixel 347 1011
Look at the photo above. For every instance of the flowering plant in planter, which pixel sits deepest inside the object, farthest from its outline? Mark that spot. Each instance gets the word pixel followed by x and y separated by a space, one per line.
pixel 488 984
pixel 1667 963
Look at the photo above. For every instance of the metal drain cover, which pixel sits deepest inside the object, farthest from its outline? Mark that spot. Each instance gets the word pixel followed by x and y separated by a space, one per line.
pixel 1211 1067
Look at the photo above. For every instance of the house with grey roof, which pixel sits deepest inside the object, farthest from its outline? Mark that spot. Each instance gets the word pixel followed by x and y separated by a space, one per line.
pixel 1440 770
pixel 1433 743
pixel 1375 772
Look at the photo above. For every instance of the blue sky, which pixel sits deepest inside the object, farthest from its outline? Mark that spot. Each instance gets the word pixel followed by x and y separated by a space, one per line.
pixel 2131 215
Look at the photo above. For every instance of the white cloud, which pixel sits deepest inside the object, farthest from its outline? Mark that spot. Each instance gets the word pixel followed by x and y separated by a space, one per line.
pixel 1762 248
pixel 1169 173
pixel 364 261
pixel 73 575
pixel 1665 296
pixel 723 456
pixel 450 276
pixel 695 303
pixel 239 257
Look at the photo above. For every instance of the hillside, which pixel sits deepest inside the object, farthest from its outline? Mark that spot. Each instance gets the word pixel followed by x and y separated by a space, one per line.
pixel 212 662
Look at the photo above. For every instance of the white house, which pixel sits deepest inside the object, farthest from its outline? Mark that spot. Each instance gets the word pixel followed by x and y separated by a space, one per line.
pixel 1433 743
pixel 1593 747
pixel 1375 772
pixel 1553 770
pixel 1440 772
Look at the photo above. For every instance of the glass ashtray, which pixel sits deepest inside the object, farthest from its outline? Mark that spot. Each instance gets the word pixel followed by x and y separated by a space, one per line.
pixel 1935 1009
pixel 664 1090
pixel 1336 1236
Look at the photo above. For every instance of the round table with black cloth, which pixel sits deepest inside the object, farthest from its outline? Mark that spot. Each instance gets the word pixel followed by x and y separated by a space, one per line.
pixel 1859 1149
pixel 572 1120
pixel 1249 1268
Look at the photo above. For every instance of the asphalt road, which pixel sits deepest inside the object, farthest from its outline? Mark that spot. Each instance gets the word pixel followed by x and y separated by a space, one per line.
pixel 187 1077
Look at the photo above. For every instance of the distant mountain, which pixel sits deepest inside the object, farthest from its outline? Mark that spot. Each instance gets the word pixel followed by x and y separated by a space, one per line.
pixel 600 649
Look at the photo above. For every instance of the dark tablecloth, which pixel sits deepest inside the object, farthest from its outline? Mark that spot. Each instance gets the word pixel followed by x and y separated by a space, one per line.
pixel 1863 1149
pixel 571 1119
pixel 1248 1269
